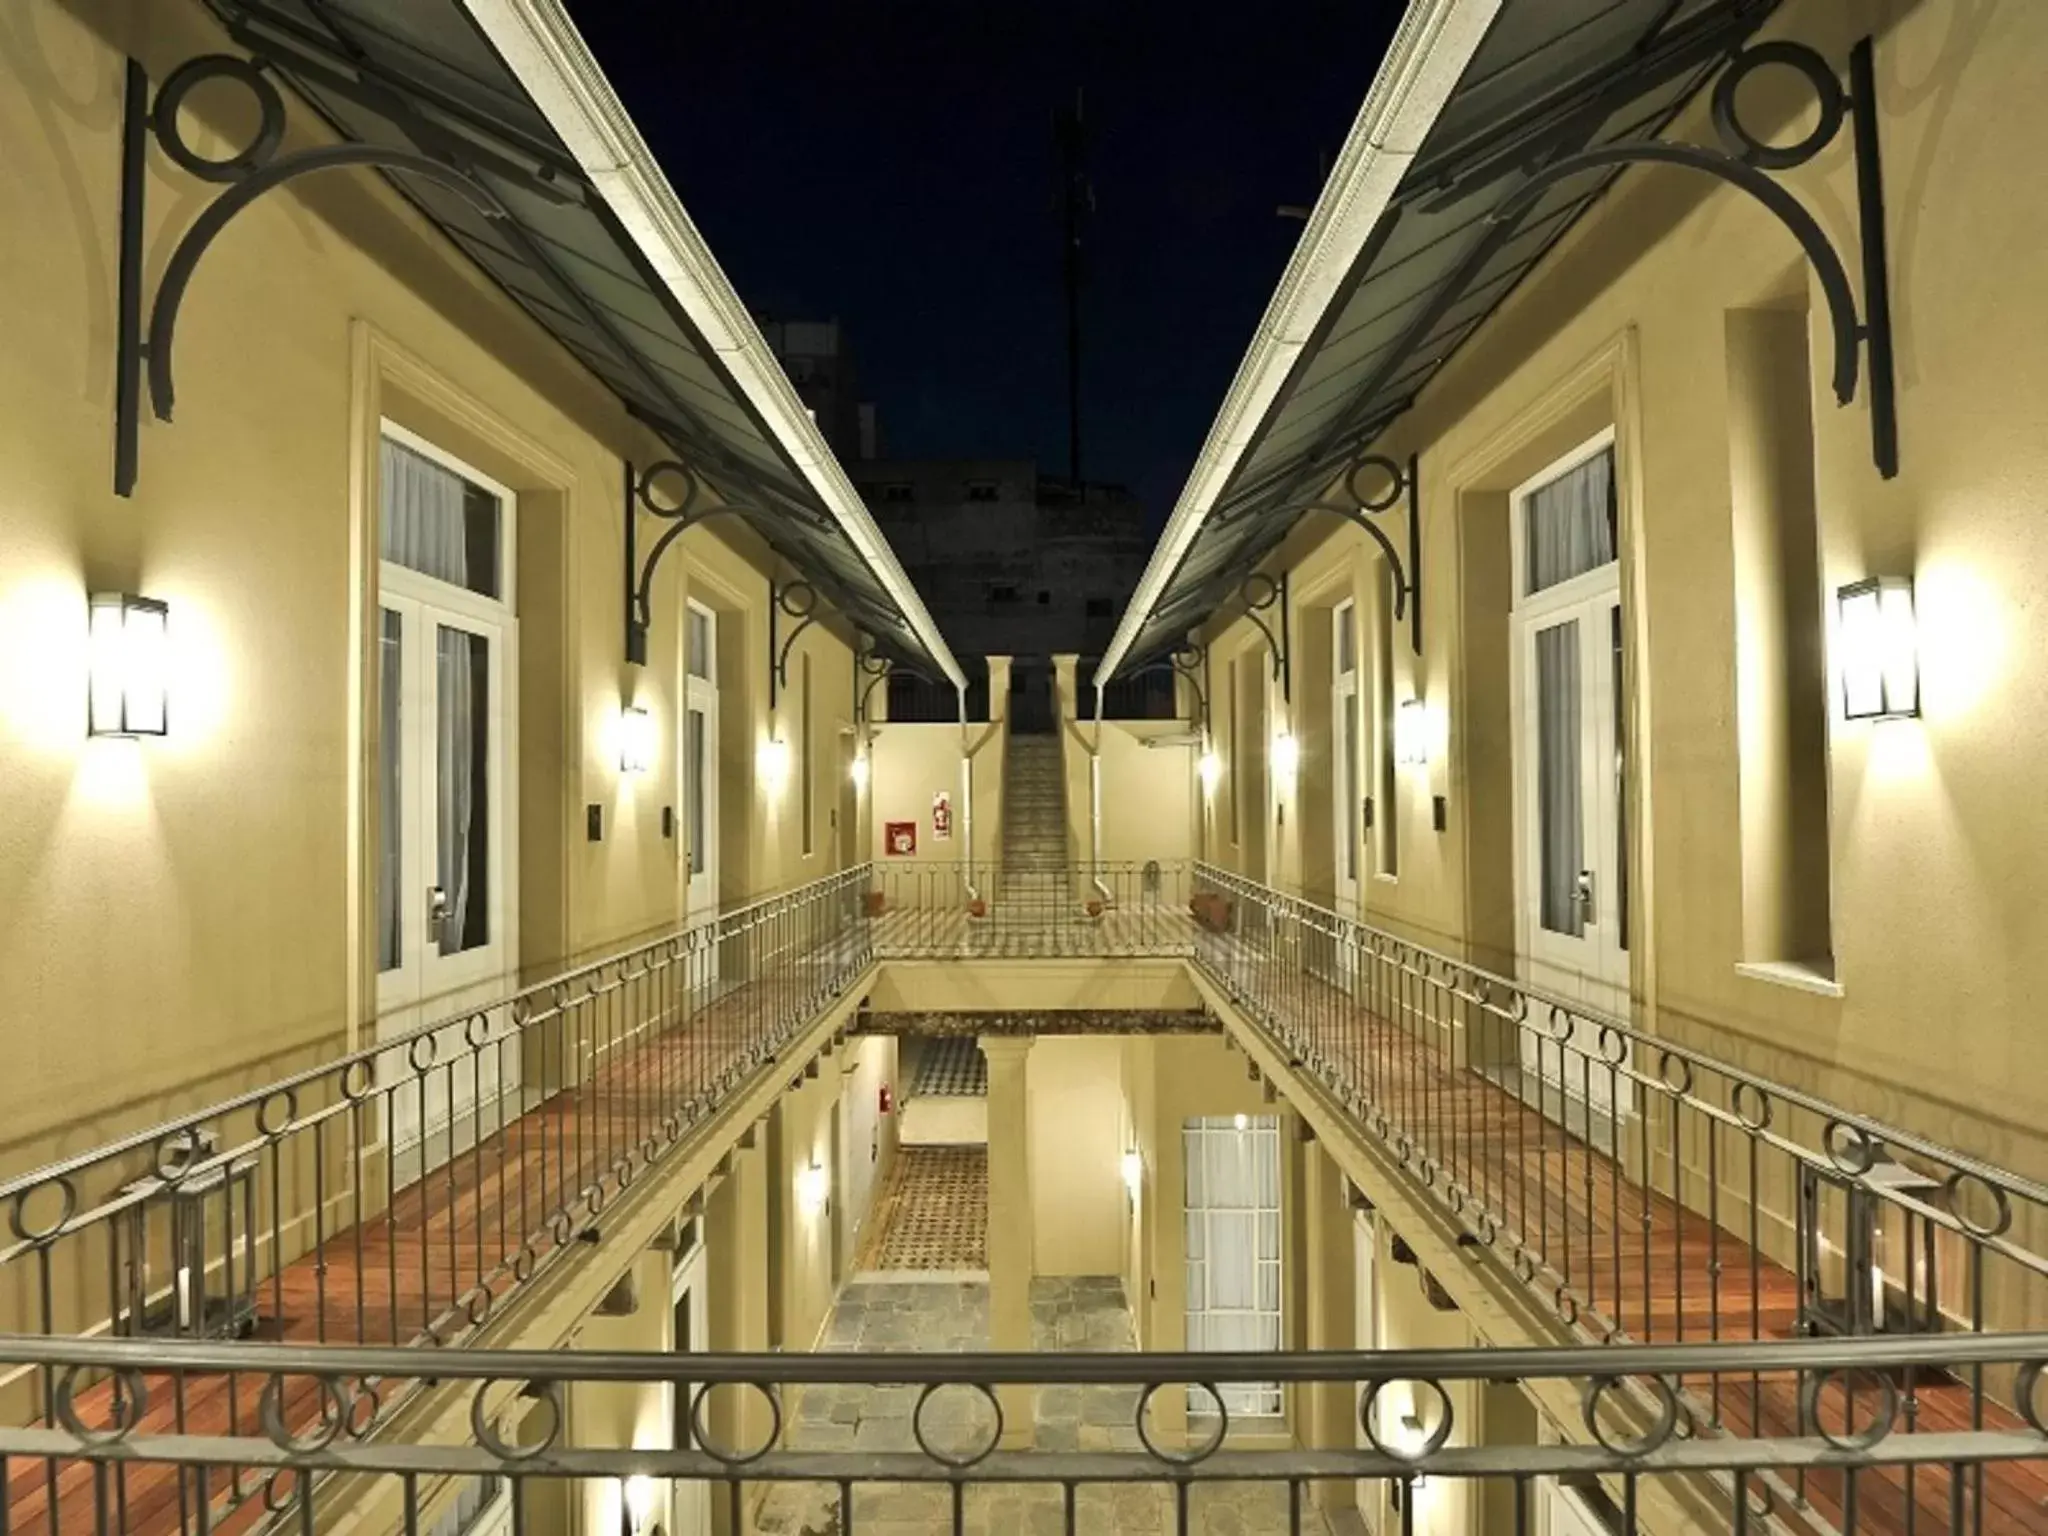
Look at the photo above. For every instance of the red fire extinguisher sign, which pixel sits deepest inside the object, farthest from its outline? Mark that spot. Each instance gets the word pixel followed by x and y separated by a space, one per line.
pixel 942 815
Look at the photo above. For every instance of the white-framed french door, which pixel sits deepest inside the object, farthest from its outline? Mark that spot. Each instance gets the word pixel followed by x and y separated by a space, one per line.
pixel 446 782
pixel 1571 793
pixel 1234 1255
pixel 1347 782
pixel 699 758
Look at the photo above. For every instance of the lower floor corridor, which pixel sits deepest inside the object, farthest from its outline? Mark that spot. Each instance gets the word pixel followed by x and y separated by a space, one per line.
pixel 936 1315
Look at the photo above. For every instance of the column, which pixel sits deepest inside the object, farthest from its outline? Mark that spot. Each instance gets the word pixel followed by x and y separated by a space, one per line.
pixel 1011 1259
pixel 1328 1260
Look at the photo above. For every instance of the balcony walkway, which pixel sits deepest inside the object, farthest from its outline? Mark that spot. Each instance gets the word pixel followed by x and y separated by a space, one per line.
pixel 447 1238
pixel 1660 1274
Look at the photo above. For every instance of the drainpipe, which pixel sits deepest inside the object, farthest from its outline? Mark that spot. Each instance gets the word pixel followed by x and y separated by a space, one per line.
pixel 1095 804
pixel 966 795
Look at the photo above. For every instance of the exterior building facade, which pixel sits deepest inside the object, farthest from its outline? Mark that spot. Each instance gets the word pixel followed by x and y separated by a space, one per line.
pixel 1533 1046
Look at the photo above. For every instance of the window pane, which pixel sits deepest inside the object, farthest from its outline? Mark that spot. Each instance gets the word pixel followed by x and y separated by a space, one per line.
pixel 693 786
pixel 1347 748
pixel 1559 814
pixel 1568 524
pixel 1620 777
pixel 697 643
pixel 438 523
pixel 390 792
pixel 1347 640
pixel 462 788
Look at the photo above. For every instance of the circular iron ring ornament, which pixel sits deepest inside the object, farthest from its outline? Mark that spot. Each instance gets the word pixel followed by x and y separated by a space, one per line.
pixel 1434 1441
pixel 67 1207
pixel 188 77
pixel 1828 96
pixel 709 1444
pixel 1852 1438
pixel 2025 1385
pixel 1653 1438
pixel 333 1419
pixel 131 1404
pixel 945 1459
pixel 804 595
pixel 289 1098
pixel 1958 1185
pixel 1738 1102
pixel 486 1431
pixel 646 482
pixel 1397 482
pixel 1851 1148
pixel 1196 1454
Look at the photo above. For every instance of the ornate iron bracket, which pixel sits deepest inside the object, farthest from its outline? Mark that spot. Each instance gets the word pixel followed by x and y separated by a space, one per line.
pixel 1260 594
pixel 795 600
pixel 1743 164
pixel 681 514
pixel 248 173
pixel 1188 664
pixel 1403 483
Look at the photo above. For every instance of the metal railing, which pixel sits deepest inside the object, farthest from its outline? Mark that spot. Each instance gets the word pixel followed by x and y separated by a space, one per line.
pixel 399 1194
pixel 140 1451
pixel 1648 1192
pixel 926 910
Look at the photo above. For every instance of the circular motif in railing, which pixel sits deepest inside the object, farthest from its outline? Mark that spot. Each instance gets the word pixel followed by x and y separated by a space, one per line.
pixel 561 1226
pixel 958 1461
pixel 359 1426
pixel 267 1124
pixel 1382 1127
pixel 1524 1265
pixel 1193 1454
pixel 29 1230
pixel 282 1487
pixel 1561 1022
pixel 477 1302
pixel 1614 1046
pixel 1565 1305
pixel 418 1062
pixel 709 1443
pixel 650 1147
pixel 1454 1196
pixel 130 1402
pixel 353 1088
pixel 1630 1447
pixel 332 1419
pixel 1828 97
pixel 486 1431
pixel 1487 1229
pixel 520 1011
pixel 1404 1148
pixel 1740 1095
pixel 188 77
pixel 1850 1147
pixel 176 1152
pixel 476 1034
pixel 1959 1188
pixel 524 1262
pixel 1762 1501
pixel 594 1196
pixel 2025 1386
pixel 623 1169
pixel 1439 1422
pixel 1850 1438
pixel 1681 1086
pixel 1426 1167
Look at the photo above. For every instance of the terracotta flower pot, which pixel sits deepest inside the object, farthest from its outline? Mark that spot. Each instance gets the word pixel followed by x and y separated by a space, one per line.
pixel 977 908
pixel 876 901
pixel 1095 909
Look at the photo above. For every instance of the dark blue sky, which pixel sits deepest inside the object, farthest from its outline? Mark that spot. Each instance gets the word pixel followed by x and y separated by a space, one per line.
pixel 892 164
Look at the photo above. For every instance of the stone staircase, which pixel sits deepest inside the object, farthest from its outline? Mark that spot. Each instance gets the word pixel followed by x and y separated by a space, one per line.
pixel 1034 825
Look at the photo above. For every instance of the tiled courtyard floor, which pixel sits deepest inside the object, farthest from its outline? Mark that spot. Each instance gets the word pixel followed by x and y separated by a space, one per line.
pixel 950 1317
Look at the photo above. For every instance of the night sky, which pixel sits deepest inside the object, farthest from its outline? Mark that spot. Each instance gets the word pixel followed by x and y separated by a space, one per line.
pixel 893 165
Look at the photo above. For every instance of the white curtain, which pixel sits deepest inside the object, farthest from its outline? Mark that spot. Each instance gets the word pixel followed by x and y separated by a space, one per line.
pixel 455 748
pixel 391 791
pixel 1569 523
pixel 1559 810
pixel 1233 1248
pixel 423 527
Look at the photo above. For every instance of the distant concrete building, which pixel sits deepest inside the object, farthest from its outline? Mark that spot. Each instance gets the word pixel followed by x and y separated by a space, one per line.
pixel 819 361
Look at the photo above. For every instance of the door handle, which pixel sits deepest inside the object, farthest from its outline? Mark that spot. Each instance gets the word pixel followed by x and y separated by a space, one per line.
pixel 1582 892
pixel 437 906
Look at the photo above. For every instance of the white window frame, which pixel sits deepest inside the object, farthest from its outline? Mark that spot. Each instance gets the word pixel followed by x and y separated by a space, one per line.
pixel 1259 1400
pixel 700 888
pixel 1347 778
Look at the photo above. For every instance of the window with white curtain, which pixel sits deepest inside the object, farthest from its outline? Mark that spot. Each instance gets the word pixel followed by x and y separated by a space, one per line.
pixel 1568 523
pixel 1233 1250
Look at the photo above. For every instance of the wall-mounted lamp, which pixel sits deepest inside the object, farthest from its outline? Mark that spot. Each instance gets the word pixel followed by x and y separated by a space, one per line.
pixel 636 1502
pixel 636 739
pixel 1133 1165
pixel 1242 1122
pixel 1210 769
pixel 1286 755
pixel 1880 650
pixel 127 645
pixel 859 771
pixel 813 1189
pixel 1411 734
pixel 771 762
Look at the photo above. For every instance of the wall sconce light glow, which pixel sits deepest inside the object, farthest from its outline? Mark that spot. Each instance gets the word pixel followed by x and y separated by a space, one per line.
pixel 636 740
pixel 1242 1122
pixel 1880 650
pixel 860 772
pixel 1411 734
pixel 1286 754
pixel 1134 1172
pixel 127 645
pixel 637 1498
pixel 1210 768
pixel 772 763
pixel 813 1188
pixel 1413 1441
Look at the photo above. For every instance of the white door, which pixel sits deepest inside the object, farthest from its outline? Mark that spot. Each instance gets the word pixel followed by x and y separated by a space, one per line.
pixel 1570 770
pixel 1366 1339
pixel 1234 1251
pixel 860 1144
pixel 1347 784
pixel 699 757
pixel 446 741
pixel 689 1502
